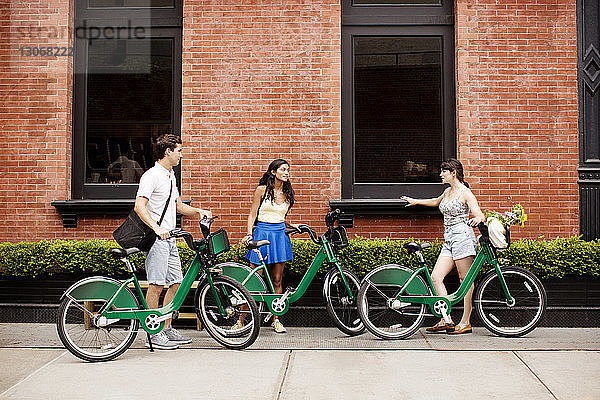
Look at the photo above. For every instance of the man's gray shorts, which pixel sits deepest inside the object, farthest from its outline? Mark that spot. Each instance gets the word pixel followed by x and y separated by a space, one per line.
pixel 459 242
pixel 163 265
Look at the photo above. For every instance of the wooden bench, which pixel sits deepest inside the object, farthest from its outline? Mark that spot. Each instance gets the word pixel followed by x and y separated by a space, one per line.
pixel 182 315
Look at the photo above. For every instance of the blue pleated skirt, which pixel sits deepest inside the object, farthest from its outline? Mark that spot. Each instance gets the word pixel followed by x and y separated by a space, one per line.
pixel 280 249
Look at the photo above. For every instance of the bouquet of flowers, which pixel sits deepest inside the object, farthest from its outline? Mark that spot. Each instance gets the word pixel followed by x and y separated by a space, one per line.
pixel 497 222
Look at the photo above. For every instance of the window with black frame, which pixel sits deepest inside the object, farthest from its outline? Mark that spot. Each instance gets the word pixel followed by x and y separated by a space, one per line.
pixel 396 2
pixel 398 107
pixel 127 91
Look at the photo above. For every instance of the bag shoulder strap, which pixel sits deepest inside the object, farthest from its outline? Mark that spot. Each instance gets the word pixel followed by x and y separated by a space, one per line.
pixel 166 205
pixel 262 198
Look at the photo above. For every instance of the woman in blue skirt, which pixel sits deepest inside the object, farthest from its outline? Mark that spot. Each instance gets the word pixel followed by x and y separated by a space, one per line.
pixel 272 200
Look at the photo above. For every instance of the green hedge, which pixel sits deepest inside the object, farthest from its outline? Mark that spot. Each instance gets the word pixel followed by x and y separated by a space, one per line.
pixel 546 258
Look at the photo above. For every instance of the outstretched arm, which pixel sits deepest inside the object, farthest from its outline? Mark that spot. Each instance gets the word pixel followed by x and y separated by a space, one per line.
pixel 184 209
pixel 433 202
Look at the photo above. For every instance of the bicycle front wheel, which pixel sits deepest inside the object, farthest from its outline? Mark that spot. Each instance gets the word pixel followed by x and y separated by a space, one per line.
pixel 101 341
pixel 340 307
pixel 502 317
pixel 384 317
pixel 236 305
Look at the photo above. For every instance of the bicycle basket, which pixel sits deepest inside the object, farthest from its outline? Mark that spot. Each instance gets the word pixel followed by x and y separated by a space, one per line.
pixel 339 237
pixel 499 234
pixel 218 243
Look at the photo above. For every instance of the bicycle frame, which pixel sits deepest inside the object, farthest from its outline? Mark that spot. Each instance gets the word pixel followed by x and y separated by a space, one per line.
pixel 151 319
pixel 486 254
pixel 325 254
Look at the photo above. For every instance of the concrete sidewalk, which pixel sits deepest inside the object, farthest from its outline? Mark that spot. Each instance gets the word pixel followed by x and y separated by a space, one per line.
pixel 312 363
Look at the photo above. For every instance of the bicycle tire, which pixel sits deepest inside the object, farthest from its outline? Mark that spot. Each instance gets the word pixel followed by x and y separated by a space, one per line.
pixel 342 311
pixel 232 296
pixel 377 313
pixel 507 320
pixel 258 285
pixel 88 341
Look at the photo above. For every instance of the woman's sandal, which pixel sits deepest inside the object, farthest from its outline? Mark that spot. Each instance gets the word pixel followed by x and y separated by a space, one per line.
pixel 440 327
pixel 460 331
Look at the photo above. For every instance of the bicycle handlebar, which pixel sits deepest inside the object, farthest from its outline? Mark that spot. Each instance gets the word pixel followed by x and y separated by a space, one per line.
pixel 205 224
pixel 330 219
pixel 483 229
pixel 332 216
pixel 304 229
pixel 289 231
pixel 189 240
pixel 485 235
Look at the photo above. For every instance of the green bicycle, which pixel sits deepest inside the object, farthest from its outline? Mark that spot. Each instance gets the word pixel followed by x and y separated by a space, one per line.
pixel 340 286
pixel 99 317
pixel 510 301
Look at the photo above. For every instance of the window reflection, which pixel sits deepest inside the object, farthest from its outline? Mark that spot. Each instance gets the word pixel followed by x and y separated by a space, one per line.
pixel 129 102
pixel 396 2
pixel 398 133
pixel 130 3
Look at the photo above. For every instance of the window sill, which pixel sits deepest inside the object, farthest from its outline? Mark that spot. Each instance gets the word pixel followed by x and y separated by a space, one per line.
pixel 70 210
pixel 352 207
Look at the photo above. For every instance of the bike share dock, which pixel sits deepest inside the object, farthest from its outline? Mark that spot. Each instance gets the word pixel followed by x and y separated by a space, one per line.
pixel 312 363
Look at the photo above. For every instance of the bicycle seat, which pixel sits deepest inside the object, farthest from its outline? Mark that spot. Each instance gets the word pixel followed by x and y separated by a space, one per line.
pixel 412 246
pixel 117 254
pixel 255 244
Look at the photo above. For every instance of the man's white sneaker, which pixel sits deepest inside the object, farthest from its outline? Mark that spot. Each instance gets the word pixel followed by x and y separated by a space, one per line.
pixel 174 336
pixel 161 341
pixel 278 326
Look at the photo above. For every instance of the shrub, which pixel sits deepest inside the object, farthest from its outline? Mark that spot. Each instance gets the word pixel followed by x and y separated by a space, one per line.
pixel 556 258
pixel 546 258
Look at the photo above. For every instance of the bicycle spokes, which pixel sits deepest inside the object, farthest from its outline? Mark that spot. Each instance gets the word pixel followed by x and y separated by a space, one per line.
pixel 229 312
pixel 90 337
pixel 341 304
pixel 385 317
pixel 510 317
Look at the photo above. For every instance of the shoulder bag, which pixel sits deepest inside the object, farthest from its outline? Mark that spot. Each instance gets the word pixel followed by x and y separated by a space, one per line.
pixel 133 232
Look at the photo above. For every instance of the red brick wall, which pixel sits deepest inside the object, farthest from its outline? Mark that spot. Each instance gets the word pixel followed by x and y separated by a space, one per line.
pixel 35 119
pixel 262 80
pixel 517 108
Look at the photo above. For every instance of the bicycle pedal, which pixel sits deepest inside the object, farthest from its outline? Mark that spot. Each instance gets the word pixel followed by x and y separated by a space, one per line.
pixel 290 289
pixel 397 304
pixel 175 315
pixel 103 321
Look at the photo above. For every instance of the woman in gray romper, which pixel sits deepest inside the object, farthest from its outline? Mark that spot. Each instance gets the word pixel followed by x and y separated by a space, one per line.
pixel 460 244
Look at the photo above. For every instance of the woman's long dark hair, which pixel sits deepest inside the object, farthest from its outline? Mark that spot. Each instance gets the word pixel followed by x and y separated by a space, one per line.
pixel 452 164
pixel 268 179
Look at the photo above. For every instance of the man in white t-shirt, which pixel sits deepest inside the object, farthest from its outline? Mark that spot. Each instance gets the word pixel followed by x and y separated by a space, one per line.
pixel 163 265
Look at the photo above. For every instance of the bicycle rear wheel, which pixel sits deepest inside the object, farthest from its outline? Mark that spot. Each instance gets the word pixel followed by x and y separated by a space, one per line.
pixel 90 341
pixel 506 319
pixel 237 304
pixel 340 308
pixel 384 317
